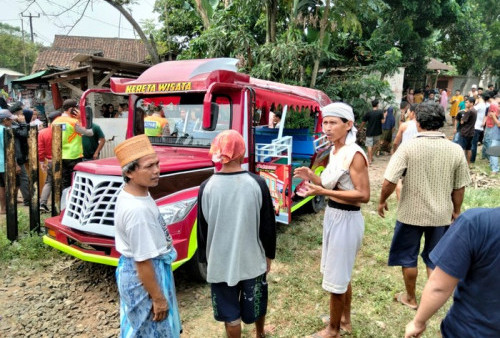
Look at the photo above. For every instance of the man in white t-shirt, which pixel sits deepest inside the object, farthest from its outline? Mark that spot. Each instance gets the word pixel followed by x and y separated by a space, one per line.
pixel 148 306
pixel 478 126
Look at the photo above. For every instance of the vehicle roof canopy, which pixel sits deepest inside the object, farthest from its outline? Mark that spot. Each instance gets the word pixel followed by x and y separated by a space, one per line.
pixel 198 75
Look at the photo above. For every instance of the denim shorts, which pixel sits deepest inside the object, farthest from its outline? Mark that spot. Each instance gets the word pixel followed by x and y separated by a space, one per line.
pixel 372 140
pixel 405 244
pixel 246 300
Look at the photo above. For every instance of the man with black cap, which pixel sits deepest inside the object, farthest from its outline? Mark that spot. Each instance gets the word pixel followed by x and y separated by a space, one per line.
pixel 72 131
pixel 6 119
pixel 21 128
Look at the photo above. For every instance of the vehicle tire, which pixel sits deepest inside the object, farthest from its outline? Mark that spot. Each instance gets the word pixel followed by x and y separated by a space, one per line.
pixel 317 204
pixel 196 269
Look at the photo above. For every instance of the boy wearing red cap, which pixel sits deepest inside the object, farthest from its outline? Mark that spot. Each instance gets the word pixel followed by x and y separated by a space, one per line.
pixel 236 237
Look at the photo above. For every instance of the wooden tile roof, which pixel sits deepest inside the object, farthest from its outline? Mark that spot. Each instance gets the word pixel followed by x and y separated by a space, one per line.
pixel 67 47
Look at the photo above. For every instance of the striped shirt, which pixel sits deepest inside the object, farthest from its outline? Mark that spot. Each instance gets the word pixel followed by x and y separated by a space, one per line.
pixel 432 167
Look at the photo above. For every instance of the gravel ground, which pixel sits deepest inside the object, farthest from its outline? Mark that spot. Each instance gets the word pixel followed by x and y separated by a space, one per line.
pixel 68 298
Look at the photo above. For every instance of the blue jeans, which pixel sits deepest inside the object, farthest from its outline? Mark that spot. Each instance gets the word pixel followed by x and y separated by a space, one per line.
pixel 475 140
pixel 486 142
pixel 494 159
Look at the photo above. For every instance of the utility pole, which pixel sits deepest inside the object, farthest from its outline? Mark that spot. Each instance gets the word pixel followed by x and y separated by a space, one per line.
pixel 31 23
pixel 24 49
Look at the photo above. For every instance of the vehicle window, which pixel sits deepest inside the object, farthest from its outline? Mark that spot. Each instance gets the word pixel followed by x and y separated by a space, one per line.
pixel 176 120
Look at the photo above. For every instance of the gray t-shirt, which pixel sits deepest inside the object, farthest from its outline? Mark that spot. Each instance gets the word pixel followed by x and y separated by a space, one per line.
pixel 236 226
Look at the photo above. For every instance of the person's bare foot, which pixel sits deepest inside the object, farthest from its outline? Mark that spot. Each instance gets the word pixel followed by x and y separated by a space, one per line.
pixel 402 298
pixel 327 332
pixel 346 327
pixel 268 330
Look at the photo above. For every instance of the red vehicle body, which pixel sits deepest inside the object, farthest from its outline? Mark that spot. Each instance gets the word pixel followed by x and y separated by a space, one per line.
pixel 216 97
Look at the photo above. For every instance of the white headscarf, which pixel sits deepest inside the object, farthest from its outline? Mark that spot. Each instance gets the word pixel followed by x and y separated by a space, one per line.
pixel 342 110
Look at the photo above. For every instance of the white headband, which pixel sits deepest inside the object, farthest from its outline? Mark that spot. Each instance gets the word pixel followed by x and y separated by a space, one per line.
pixel 342 110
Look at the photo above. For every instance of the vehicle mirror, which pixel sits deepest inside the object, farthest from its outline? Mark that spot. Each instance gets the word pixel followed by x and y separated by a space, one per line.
pixel 257 116
pixel 89 114
pixel 214 116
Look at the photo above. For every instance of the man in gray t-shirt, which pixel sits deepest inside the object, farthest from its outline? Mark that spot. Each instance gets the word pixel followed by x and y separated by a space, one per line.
pixel 236 237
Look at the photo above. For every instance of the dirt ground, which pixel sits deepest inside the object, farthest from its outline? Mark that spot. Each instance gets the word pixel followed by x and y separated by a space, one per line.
pixel 66 297
pixel 70 298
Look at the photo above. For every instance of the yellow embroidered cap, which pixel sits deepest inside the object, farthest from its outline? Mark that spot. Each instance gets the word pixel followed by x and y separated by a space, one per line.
pixel 133 149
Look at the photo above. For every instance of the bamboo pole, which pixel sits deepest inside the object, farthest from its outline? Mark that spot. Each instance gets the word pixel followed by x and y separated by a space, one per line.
pixel 10 184
pixel 33 179
pixel 56 169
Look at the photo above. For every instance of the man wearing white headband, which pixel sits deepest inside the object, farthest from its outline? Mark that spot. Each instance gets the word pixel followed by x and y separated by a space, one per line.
pixel 345 182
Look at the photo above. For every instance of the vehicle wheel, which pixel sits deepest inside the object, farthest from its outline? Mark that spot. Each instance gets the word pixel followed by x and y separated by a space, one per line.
pixel 196 269
pixel 317 204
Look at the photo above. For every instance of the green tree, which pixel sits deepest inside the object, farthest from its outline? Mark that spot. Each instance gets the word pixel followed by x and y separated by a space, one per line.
pixel 15 53
pixel 471 42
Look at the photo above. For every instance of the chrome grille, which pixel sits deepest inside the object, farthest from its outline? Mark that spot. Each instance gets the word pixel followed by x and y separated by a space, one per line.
pixel 91 203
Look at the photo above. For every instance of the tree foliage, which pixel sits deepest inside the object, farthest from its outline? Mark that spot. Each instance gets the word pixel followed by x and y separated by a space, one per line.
pixel 333 45
pixel 471 42
pixel 14 52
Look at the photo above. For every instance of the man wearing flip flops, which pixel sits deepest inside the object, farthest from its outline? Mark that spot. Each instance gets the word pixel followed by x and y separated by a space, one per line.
pixel 434 173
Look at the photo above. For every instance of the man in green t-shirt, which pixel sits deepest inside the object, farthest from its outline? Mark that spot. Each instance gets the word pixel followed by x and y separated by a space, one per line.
pixel 92 145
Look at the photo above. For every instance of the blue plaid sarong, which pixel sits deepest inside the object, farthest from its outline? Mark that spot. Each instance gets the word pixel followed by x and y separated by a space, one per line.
pixel 136 319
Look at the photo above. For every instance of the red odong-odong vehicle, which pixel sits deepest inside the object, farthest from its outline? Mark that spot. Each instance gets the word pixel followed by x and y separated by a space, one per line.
pixel 199 98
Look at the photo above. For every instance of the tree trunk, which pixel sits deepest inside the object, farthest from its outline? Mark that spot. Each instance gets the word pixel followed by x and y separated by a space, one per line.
pixel 203 14
pixel 271 14
pixel 154 56
pixel 227 3
pixel 322 28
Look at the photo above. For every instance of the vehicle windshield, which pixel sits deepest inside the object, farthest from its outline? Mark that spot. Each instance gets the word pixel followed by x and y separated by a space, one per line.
pixel 176 120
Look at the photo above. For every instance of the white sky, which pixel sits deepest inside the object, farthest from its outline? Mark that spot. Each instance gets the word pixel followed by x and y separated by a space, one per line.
pixel 100 19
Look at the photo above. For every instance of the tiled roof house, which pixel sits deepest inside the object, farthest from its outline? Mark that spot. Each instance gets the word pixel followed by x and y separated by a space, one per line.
pixel 65 48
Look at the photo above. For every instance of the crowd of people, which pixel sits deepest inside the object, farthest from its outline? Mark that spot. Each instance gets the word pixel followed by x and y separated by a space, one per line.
pixel 78 144
pixel 237 240
pixel 108 110
pixel 473 117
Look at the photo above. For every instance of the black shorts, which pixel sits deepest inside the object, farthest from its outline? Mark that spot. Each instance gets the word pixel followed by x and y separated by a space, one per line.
pixel 465 142
pixel 246 300
pixel 2 180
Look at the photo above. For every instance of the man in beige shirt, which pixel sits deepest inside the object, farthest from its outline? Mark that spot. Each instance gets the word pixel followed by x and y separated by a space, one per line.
pixel 435 173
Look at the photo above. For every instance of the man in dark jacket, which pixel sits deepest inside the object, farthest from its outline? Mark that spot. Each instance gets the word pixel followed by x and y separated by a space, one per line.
pixel 20 129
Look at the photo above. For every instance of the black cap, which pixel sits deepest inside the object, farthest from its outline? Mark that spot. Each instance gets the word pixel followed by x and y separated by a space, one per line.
pixel 16 107
pixel 54 115
pixel 69 103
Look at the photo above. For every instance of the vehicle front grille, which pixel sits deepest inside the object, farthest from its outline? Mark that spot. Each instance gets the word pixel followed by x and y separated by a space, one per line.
pixel 91 203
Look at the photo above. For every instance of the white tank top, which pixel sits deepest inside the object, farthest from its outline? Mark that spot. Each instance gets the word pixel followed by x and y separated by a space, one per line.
pixel 336 173
pixel 411 131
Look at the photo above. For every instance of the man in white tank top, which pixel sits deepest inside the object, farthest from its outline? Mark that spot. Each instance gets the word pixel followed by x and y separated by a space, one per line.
pixel 407 130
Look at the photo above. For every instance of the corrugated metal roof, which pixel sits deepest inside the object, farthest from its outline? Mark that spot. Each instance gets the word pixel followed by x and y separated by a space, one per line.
pixel 7 71
pixel 31 76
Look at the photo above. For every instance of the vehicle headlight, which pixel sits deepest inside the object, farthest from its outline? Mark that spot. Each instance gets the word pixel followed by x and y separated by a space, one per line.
pixel 65 198
pixel 175 212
